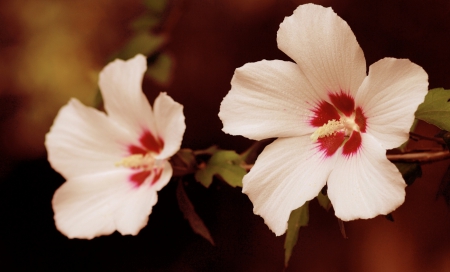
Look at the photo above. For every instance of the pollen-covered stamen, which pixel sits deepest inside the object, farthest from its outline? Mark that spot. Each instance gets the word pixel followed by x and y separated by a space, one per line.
pixel 345 124
pixel 328 129
pixel 138 161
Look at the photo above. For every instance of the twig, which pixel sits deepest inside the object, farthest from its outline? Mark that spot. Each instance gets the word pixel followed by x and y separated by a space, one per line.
pixel 422 157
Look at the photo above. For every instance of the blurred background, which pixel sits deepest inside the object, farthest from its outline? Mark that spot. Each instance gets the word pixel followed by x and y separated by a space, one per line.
pixel 51 50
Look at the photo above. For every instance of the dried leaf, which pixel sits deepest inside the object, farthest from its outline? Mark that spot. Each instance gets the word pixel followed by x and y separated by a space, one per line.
pixel 190 215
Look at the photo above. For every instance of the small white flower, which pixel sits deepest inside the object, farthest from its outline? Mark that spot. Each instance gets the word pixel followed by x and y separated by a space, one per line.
pixel 334 123
pixel 114 163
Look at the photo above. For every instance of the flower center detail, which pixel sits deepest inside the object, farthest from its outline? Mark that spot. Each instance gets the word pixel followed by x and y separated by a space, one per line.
pixel 345 124
pixel 338 124
pixel 138 161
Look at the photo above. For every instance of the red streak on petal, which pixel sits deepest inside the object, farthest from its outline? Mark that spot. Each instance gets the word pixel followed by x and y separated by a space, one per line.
pixel 353 144
pixel 139 177
pixel 360 119
pixel 157 175
pixel 330 144
pixel 324 112
pixel 136 150
pixel 151 143
pixel 343 102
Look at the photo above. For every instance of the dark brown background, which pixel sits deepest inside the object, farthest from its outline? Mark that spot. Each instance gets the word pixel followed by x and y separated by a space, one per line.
pixel 52 50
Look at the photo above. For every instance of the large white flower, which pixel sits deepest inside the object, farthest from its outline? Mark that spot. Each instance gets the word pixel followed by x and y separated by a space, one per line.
pixel 114 163
pixel 334 123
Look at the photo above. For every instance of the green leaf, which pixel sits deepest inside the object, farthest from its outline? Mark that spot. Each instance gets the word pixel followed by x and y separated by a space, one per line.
pixel 142 43
pixel 161 69
pixel 324 201
pixel 436 108
pixel 224 164
pixel 298 218
pixel 409 171
pixel 190 215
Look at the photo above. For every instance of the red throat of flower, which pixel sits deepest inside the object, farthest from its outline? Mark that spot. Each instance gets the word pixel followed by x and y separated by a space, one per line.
pixel 338 124
pixel 143 158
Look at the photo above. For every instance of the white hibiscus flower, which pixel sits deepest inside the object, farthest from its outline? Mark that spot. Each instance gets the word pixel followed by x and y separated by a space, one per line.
pixel 114 163
pixel 334 123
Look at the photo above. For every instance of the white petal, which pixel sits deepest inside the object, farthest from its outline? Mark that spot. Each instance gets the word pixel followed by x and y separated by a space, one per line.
pixel 324 47
pixel 170 123
pixel 366 184
pixel 268 99
pixel 289 172
pixel 84 207
pixel 132 215
pixel 83 141
pixel 120 84
pixel 99 204
pixel 165 177
pixel 389 96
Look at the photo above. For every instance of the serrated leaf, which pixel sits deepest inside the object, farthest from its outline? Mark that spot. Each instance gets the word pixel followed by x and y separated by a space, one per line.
pixel 142 43
pixel 409 171
pixel 436 108
pixel 190 215
pixel 161 69
pixel 224 164
pixel 298 218
pixel 324 201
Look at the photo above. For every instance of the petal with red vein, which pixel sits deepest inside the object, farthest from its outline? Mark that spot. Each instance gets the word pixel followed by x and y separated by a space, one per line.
pixel 343 102
pixel 289 172
pixel 353 144
pixel 330 144
pixel 323 113
pixel 366 184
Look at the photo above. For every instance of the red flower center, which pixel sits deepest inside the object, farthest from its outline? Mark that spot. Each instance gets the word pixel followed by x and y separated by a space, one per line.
pixel 338 124
pixel 149 145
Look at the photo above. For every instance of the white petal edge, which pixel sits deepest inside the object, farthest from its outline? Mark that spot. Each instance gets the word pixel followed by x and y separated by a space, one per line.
pixel 84 207
pixel 121 87
pixel 133 214
pixel 324 47
pixel 389 97
pixel 366 184
pixel 170 124
pixel 95 205
pixel 289 172
pixel 268 99
pixel 84 141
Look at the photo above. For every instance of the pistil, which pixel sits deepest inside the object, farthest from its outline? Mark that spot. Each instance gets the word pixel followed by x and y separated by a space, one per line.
pixel 137 161
pixel 328 129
